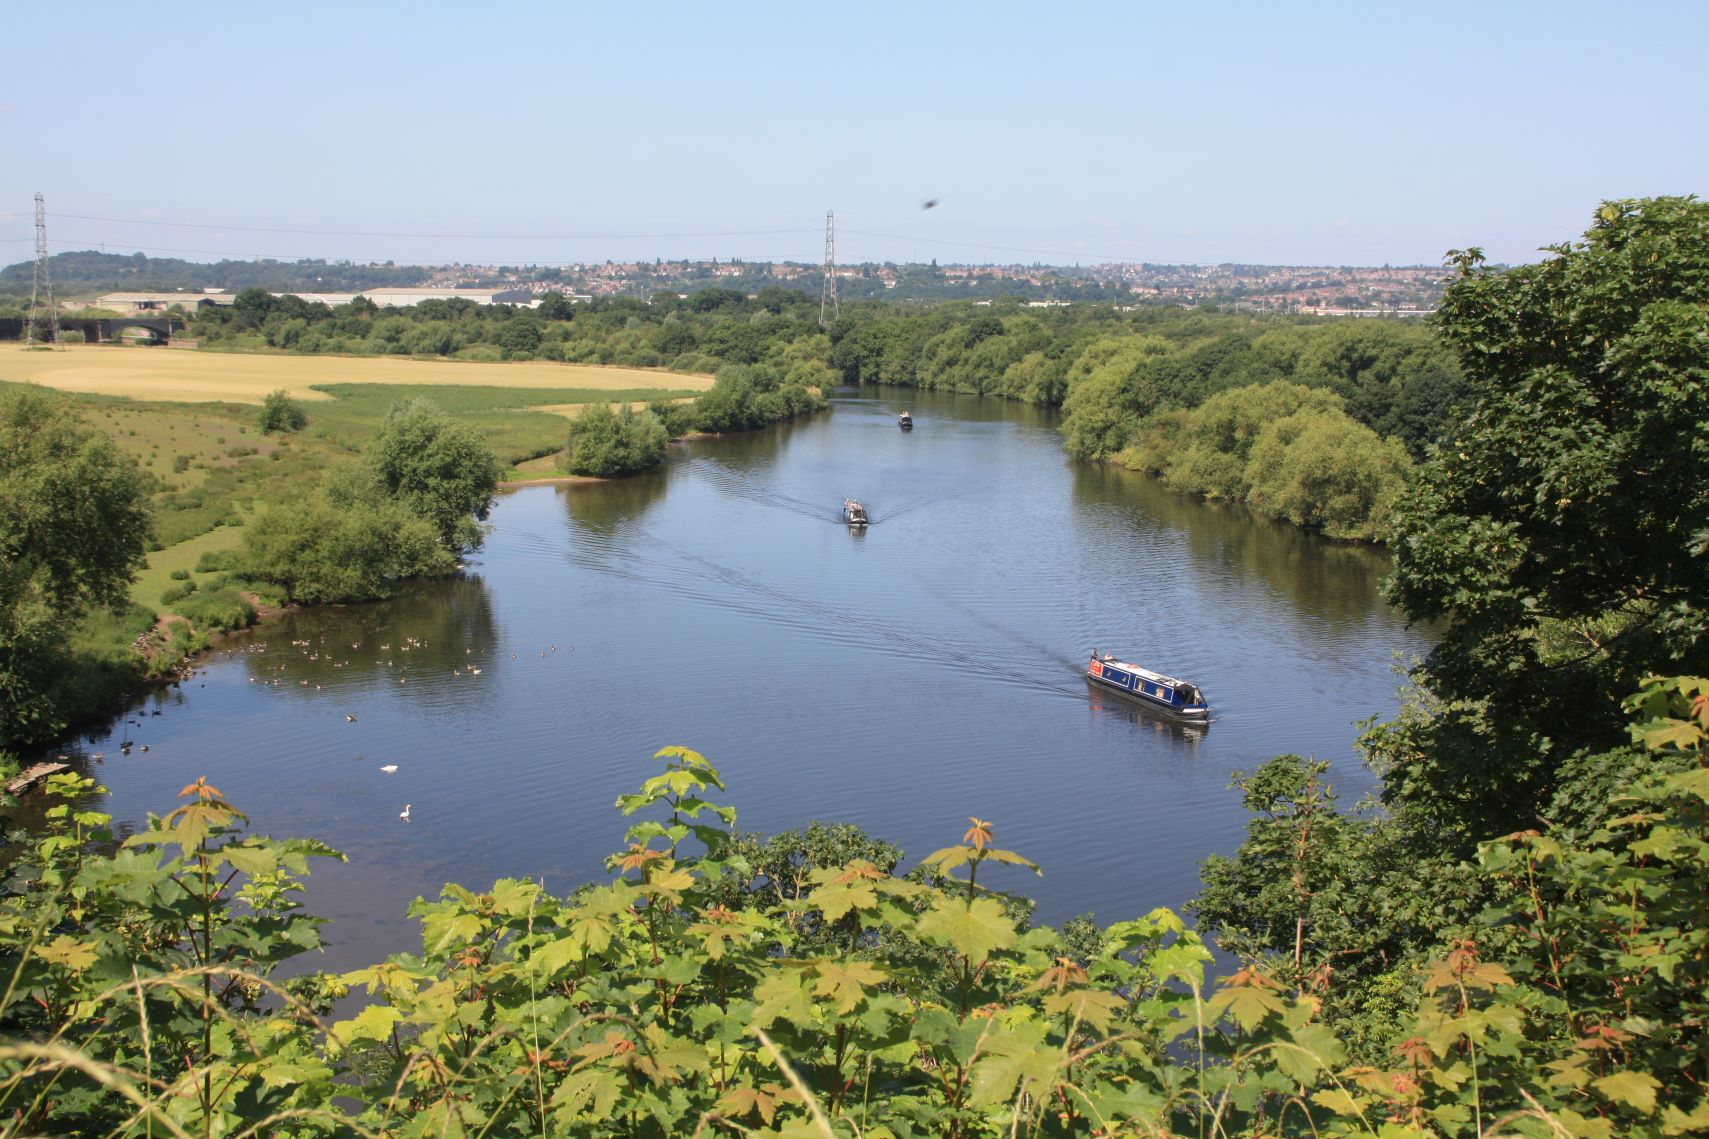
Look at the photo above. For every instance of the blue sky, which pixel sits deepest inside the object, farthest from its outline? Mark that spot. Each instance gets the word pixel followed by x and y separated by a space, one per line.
pixel 1061 132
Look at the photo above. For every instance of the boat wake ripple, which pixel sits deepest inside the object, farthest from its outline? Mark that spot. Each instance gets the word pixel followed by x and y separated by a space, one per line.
pixel 753 597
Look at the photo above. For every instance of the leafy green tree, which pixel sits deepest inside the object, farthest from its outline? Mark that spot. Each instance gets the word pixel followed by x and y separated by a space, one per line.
pixel 74 526
pixel 279 412
pixel 1104 405
pixel 1560 533
pixel 442 470
pixel 606 443
pixel 253 306
pixel 1322 470
pixel 518 334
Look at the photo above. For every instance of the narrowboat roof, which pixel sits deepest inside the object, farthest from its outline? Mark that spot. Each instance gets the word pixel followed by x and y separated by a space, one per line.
pixel 1140 670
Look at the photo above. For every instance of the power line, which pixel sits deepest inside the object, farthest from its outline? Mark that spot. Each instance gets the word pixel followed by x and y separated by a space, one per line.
pixel 446 236
pixel 250 254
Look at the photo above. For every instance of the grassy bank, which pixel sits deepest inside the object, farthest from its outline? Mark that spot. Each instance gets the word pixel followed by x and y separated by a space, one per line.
pixel 190 421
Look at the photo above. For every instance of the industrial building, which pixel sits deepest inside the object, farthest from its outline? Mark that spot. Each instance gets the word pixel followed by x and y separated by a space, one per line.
pixel 132 304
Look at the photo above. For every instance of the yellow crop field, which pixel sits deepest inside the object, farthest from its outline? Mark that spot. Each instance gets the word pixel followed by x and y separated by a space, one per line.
pixel 185 375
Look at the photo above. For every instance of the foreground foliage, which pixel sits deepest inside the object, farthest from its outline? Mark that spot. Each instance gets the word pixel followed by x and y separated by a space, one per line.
pixel 721 984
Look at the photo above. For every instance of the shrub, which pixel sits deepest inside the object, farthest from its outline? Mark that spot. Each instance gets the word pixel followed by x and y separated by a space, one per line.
pixel 281 413
pixel 607 443
pixel 214 561
pixel 221 609
pixel 179 575
pixel 676 418
pixel 318 552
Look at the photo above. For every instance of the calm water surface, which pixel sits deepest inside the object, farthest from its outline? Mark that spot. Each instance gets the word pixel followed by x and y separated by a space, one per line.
pixel 903 679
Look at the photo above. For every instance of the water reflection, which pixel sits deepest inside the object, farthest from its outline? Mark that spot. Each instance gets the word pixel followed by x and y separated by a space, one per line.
pixel 1335 582
pixel 1100 703
pixel 610 508
pixel 430 633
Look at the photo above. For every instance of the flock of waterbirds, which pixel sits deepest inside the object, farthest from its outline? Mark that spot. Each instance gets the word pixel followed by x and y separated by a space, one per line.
pixel 317 651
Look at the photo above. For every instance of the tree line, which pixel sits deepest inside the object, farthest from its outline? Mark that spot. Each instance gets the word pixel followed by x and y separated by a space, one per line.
pixel 1123 379
pixel 87 270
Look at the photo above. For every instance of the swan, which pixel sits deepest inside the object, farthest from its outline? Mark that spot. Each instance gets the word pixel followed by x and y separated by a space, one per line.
pixel 404 814
pixel 389 768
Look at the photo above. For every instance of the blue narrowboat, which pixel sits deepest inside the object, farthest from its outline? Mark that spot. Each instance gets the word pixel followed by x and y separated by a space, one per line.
pixel 1165 694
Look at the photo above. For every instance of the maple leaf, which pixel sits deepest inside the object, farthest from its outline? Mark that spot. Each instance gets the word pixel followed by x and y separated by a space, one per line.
pixel 973 930
pixel 638 857
pixel 68 951
pixel 783 994
pixel 846 985
pixel 837 898
pixel 742 1100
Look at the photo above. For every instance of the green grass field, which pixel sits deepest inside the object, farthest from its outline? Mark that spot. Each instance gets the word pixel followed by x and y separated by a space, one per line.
pixel 189 419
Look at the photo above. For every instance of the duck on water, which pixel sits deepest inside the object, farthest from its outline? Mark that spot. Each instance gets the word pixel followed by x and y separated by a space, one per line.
pixel 1166 694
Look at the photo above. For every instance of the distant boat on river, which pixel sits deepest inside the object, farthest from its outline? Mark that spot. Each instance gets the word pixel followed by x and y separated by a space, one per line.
pixel 905 421
pixel 1165 694
pixel 854 513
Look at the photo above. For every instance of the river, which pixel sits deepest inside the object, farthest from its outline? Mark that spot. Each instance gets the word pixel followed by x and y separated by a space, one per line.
pixel 903 679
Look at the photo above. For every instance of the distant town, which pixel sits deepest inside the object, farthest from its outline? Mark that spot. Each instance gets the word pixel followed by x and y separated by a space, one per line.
pixel 85 278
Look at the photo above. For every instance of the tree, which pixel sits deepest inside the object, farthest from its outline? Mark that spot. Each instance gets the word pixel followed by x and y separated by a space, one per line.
pixel 281 413
pixel 325 549
pixel 1560 533
pixel 74 526
pixel 253 306
pixel 556 306
pixel 606 443
pixel 444 471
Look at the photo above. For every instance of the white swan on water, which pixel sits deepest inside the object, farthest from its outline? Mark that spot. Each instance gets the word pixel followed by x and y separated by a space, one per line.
pixel 404 814
pixel 388 769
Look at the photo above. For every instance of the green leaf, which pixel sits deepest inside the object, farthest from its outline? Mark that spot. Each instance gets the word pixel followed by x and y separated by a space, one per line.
pixel 787 994
pixel 845 984
pixel 251 859
pixel 68 952
pixel 1015 1057
pixel 1634 1089
pixel 974 931
pixel 834 899
pixel 373 1023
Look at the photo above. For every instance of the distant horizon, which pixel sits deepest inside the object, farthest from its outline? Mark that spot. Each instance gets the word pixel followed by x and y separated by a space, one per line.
pixel 519 265
pixel 1095 132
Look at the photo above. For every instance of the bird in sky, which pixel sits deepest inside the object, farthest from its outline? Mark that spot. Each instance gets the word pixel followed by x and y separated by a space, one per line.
pixel 930 203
